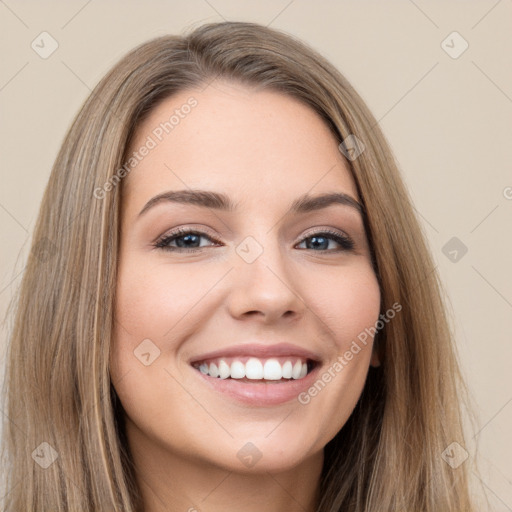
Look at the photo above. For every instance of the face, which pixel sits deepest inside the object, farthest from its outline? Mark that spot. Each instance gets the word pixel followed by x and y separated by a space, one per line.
pixel 236 333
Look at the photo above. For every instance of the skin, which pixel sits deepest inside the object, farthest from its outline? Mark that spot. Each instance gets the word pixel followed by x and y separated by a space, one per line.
pixel 260 148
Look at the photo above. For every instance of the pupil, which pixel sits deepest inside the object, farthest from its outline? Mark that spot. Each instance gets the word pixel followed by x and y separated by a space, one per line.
pixel 314 241
pixel 184 238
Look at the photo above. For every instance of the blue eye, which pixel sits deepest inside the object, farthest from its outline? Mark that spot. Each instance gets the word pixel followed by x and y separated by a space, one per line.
pixel 187 240
pixel 322 239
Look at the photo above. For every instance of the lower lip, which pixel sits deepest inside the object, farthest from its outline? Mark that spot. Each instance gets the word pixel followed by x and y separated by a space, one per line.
pixel 261 393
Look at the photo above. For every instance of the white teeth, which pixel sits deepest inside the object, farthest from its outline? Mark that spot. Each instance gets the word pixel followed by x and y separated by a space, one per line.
pixel 237 370
pixel 224 369
pixel 287 370
pixel 214 371
pixel 297 370
pixel 272 370
pixel 255 369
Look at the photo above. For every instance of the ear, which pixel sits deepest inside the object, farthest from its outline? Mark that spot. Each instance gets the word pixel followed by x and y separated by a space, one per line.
pixel 375 361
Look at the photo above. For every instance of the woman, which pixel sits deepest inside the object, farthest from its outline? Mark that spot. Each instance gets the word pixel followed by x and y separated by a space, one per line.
pixel 298 358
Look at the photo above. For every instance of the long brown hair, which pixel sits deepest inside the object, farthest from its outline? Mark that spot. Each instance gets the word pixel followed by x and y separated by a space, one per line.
pixel 387 457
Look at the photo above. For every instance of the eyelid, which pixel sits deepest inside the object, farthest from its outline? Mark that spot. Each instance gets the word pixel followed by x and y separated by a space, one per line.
pixel 344 240
pixel 203 230
pixel 341 237
pixel 319 229
pixel 160 242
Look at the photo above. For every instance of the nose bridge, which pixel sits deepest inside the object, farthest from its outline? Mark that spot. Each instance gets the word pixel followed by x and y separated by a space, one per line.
pixel 261 280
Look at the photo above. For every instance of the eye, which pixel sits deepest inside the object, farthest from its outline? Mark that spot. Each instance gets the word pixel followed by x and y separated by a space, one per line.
pixel 186 241
pixel 321 240
pixel 189 240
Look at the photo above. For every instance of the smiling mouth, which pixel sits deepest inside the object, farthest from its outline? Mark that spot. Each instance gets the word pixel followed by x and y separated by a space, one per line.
pixel 256 370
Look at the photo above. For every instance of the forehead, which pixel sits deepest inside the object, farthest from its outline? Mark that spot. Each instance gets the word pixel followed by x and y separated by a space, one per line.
pixel 251 144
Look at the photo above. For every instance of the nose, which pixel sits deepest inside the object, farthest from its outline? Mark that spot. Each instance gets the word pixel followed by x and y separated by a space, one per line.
pixel 264 289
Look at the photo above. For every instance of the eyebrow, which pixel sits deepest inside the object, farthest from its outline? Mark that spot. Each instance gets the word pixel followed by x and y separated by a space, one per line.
pixel 219 201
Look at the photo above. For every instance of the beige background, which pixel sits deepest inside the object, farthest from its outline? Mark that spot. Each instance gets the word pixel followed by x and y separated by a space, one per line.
pixel 448 121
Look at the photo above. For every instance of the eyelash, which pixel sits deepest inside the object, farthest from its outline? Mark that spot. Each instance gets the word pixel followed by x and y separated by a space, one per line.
pixel 344 241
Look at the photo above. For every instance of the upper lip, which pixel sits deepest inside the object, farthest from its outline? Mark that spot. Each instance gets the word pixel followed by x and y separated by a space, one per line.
pixel 258 350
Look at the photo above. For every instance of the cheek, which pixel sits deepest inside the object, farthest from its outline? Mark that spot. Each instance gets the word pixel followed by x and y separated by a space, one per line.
pixel 152 300
pixel 348 304
pixel 152 304
pixel 157 307
pixel 146 308
pixel 349 310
